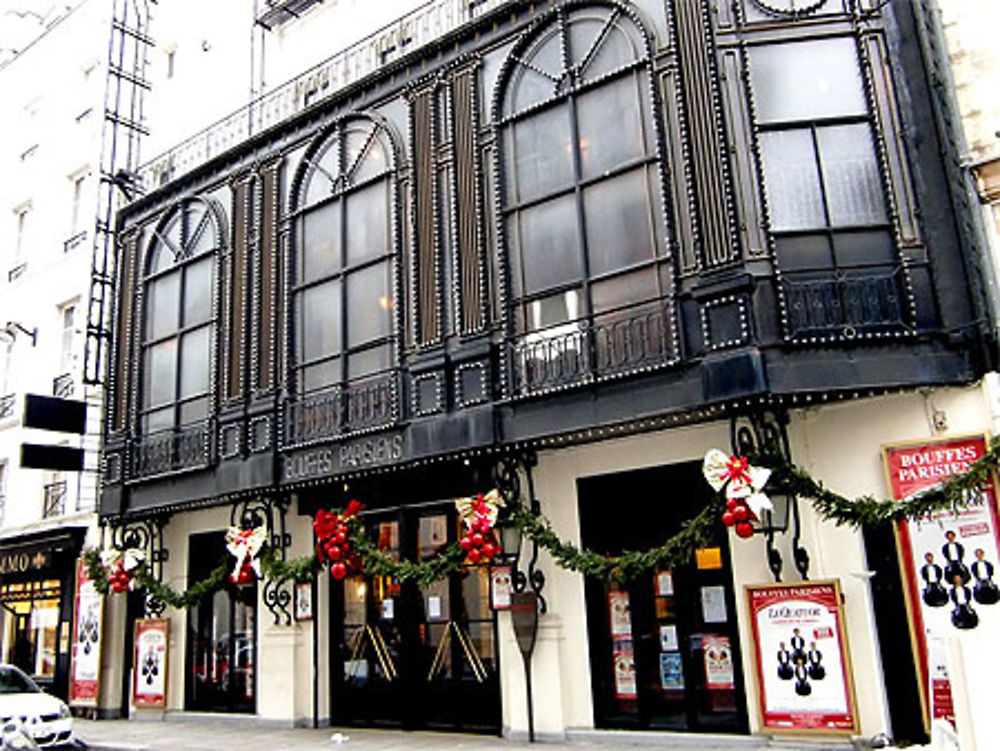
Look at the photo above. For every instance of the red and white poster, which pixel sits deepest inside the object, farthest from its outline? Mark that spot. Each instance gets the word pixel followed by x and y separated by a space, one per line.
pixel 149 689
pixel 718 662
pixel 949 558
pixel 803 669
pixel 88 621
pixel 624 666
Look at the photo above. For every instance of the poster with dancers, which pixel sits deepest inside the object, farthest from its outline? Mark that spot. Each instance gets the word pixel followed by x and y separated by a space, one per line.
pixel 85 672
pixel 804 681
pixel 949 558
pixel 149 688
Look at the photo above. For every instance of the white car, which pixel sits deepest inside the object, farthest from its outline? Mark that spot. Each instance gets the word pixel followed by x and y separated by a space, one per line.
pixel 25 706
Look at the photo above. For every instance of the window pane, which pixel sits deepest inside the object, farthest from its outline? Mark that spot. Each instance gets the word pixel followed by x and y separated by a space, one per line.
pixel 614 50
pixel 791 180
pixel 538 83
pixel 367 362
pixel 619 232
pixel 161 419
pixel 201 233
pixel 803 252
pixel 374 162
pixel 196 358
pixel 807 80
pixel 612 129
pixel 321 375
pixel 161 373
pixel 850 175
pixel 198 292
pixel 554 310
pixel 195 410
pixel 320 255
pixel 319 321
pixel 162 297
pixel 550 250
pixel 859 248
pixel 161 258
pixel 368 223
pixel 321 179
pixel 369 304
pixel 540 158
pixel 627 289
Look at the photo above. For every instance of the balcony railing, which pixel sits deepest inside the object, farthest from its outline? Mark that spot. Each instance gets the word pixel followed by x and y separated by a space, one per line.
pixel 335 412
pixel 63 385
pixel 410 32
pixel 55 500
pixel 75 241
pixel 173 450
pixel 624 341
pixel 7 406
pixel 858 304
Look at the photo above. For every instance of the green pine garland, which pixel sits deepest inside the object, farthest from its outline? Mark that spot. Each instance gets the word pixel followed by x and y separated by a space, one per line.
pixel 867 511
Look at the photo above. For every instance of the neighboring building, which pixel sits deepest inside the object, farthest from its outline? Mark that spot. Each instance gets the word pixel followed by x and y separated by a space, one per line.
pixel 589 238
pixel 49 160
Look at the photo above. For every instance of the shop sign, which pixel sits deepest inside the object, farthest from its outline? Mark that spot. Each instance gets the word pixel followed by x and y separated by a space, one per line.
pixel 303 601
pixel 314 463
pixel 803 672
pixel 22 561
pixel 149 687
pixel 948 558
pixel 88 619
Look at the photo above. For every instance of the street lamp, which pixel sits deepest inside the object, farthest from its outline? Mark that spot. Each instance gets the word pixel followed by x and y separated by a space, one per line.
pixel 13 328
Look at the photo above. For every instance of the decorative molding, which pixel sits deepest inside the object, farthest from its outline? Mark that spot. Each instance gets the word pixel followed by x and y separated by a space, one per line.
pixel 417 406
pixel 461 398
pixel 740 303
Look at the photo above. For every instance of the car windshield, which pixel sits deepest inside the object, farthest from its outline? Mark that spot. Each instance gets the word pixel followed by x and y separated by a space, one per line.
pixel 13 681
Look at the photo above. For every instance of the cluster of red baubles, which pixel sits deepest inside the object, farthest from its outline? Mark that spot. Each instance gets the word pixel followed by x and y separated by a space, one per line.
pixel 480 543
pixel 120 579
pixel 738 515
pixel 246 574
pixel 332 543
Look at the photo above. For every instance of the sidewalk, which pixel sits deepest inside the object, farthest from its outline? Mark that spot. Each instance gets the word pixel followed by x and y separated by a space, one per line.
pixel 226 735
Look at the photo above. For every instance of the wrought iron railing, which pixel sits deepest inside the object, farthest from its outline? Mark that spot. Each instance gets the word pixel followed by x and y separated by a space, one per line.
pixel 625 341
pixel 846 304
pixel 7 405
pixel 173 450
pixel 341 410
pixel 410 32
pixel 55 500
pixel 75 241
pixel 63 385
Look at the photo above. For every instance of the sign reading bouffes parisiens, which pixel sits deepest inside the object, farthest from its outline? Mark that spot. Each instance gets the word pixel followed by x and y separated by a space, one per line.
pixel 372 451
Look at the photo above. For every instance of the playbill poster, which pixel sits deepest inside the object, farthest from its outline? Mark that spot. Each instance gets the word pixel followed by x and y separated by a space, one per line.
pixel 150 667
pixel 949 558
pixel 803 671
pixel 87 628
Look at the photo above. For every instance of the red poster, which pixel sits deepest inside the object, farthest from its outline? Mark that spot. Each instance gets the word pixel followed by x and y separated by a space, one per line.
pixel 86 652
pixel 948 558
pixel 803 668
pixel 150 667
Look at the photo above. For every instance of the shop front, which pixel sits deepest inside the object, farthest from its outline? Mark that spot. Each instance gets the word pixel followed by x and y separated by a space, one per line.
pixel 37 577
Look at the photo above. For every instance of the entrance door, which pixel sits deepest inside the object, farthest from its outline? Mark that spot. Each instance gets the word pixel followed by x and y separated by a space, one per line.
pixel 413 656
pixel 221 637
pixel 664 647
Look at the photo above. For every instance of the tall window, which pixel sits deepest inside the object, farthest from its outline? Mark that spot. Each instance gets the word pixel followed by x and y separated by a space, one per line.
pixel 67 314
pixel 582 213
pixel 78 183
pixel 22 216
pixel 823 183
pixel 343 292
pixel 179 325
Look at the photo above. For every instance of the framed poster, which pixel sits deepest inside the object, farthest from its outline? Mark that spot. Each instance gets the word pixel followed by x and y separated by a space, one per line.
pixel 152 639
pixel 803 670
pixel 671 671
pixel 500 587
pixel 947 559
pixel 718 655
pixel 85 657
pixel 303 601
pixel 624 667
pixel 619 613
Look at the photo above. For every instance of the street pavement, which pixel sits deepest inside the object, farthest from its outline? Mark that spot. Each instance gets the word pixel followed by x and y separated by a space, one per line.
pixel 227 735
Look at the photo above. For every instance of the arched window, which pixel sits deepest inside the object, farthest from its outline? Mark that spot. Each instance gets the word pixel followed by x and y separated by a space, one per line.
pixel 179 322
pixel 344 262
pixel 582 201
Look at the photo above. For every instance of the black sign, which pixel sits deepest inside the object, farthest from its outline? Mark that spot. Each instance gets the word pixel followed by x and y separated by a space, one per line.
pixel 54 413
pixel 371 451
pixel 524 616
pixel 55 458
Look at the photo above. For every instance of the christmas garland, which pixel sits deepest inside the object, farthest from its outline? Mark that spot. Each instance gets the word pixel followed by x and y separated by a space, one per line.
pixel 952 495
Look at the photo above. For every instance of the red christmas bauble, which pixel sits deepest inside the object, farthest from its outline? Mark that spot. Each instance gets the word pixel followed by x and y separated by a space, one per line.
pixel 732 503
pixel 340 536
pixel 741 513
pixel 466 544
pixel 489 550
pixel 334 552
pixel 744 529
pixel 728 519
pixel 475 555
pixel 338 571
pixel 477 540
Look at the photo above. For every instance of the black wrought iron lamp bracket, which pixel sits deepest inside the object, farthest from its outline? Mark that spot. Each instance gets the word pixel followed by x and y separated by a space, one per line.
pixel 269 514
pixel 145 535
pixel 507 477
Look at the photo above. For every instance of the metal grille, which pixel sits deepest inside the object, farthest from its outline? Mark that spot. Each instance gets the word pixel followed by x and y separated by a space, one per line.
pixel 7 406
pixel 338 411
pixel 55 500
pixel 173 450
pixel 63 385
pixel 844 305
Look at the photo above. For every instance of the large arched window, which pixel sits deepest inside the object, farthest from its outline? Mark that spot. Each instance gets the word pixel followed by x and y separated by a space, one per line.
pixel 179 323
pixel 582 201
pixel 343 274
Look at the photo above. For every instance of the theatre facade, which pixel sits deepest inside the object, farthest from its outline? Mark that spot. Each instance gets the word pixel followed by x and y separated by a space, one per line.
pixel 578 244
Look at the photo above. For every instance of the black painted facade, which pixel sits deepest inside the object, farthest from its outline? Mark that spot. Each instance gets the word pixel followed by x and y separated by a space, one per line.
pixel 566 220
